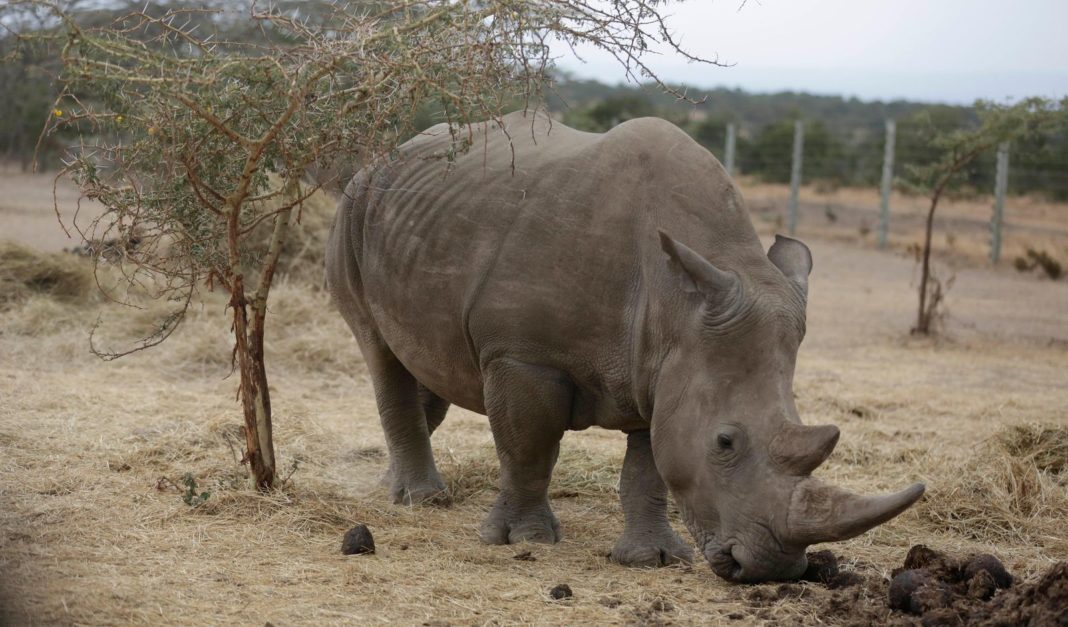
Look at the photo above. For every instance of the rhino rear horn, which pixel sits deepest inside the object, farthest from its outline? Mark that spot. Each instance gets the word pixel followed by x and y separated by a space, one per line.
pixel 800 449
pixel 699 273
pixel 793 259
pixel 823 513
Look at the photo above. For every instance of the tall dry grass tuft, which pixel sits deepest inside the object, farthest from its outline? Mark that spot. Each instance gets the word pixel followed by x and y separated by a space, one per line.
pixel 1045 445
pixel 1012 489
pixel 25 272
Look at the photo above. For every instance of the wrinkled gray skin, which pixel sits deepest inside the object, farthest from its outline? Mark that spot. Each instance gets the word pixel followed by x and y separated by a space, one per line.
pixel 612 280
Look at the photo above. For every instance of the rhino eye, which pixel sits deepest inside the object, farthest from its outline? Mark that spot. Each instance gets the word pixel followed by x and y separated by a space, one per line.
pixel 725 441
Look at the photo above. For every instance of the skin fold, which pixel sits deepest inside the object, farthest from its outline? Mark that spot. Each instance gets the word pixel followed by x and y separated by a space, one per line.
pixel 556 280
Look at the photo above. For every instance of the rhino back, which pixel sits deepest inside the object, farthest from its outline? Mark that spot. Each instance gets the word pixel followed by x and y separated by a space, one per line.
pixel 539 245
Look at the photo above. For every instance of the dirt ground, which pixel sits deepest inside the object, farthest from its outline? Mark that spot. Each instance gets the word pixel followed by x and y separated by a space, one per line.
pixel 94 531
pixel 962 232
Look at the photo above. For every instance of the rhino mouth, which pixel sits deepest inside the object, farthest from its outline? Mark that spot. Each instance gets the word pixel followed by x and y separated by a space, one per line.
pixel 735 563
pixel 724 564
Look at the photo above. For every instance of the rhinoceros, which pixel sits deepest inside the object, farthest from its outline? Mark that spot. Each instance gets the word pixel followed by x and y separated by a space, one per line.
pixel 555 280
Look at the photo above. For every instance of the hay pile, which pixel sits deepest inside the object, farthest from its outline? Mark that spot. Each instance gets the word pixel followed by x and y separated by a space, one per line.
pixel 1012 489
pixel 1043 446
pixel 25 272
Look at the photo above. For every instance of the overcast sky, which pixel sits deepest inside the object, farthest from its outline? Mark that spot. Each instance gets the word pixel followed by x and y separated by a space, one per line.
pixel 933 50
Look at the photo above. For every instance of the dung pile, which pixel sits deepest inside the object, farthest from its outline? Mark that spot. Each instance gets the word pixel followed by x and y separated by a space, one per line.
pixel 933 588
pixel 944 590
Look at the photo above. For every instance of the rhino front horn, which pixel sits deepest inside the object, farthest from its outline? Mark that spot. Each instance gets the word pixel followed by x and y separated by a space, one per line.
pixel 824 513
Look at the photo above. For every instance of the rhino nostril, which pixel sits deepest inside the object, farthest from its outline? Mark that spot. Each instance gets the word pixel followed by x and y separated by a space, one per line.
pixel 724 563
pixel 736 567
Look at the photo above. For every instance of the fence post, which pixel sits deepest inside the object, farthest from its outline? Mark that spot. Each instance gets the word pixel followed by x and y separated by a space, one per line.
pixel 795 174
pixel 1001 185
pixel 732 137
pixel 888 181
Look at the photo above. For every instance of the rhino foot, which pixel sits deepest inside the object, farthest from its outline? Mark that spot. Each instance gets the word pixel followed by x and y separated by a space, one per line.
pixel 428 491
pixel 505 525
pixel 652 551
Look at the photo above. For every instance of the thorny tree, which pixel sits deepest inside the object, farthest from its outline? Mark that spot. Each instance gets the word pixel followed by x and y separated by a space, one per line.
pixel 192 138
pixel 957 150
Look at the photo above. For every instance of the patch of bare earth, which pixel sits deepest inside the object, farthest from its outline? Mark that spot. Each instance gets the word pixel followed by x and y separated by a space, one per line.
pixel 89 533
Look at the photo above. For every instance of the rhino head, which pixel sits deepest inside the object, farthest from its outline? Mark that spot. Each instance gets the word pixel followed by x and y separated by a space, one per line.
pixel 725 432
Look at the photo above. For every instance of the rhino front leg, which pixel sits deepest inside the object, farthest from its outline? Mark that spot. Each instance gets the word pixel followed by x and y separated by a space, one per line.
pixel 528 408
pixel 648 539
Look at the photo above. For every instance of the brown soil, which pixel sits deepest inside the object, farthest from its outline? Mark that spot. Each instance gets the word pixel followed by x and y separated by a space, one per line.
pixel 962 223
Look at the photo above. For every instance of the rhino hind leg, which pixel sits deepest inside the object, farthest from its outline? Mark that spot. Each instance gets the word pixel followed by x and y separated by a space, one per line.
pixel 648 539
pixel 434 408
pixel 413 476
pixel 529 408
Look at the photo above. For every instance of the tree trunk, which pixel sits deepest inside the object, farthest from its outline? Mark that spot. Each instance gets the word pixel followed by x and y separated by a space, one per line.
pixel 255 396
pixel 923 317
pixel 249 350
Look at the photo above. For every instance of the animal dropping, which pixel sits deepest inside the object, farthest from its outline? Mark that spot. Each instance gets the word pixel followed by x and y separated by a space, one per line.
pixel 992 565
pixel 357 541
pixel 557 280
pixel 560 592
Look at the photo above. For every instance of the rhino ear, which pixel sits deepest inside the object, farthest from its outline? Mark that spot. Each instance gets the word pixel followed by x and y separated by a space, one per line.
pixel 793 258
pixel 698 273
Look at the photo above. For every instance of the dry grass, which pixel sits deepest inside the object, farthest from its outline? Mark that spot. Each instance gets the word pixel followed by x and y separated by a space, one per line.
pixel 1008 491
pixel 1045 446
pixel 25 272
pixel 90 535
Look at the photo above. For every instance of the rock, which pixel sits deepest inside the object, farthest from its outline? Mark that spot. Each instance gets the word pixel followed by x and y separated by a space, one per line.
pixel 992 565
pixel 561 591
pixel 357 541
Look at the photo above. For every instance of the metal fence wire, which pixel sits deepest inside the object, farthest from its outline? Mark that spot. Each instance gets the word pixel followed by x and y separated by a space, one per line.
pixel 879 157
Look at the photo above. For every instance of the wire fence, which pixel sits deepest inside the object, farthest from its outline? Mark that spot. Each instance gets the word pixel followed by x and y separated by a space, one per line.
pixel 1022 186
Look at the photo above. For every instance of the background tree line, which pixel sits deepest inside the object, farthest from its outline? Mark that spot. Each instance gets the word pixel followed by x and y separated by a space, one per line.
pixel 844 137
